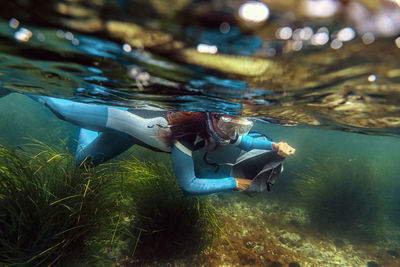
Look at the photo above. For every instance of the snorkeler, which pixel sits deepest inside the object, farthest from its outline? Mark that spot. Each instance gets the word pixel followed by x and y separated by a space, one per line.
pixel 249 161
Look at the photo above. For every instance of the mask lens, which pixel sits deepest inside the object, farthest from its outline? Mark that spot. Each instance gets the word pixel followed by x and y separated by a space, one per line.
pixel 232 133
pixel 232 127
pixel 243 130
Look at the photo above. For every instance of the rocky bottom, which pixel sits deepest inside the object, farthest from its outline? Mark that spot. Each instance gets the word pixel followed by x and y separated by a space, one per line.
pixel 264 233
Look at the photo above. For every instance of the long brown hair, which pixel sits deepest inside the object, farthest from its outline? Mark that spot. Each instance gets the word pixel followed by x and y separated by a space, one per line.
pixel 183 123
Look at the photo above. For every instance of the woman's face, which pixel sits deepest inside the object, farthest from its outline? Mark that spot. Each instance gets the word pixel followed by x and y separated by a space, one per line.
pixel 231 127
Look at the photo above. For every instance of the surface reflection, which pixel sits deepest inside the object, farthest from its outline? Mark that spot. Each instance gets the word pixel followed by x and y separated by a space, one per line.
pixel 297 63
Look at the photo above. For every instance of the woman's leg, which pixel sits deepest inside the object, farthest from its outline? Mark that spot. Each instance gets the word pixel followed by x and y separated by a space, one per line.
pixel 97 142
pixel 89 116
pixel 97 147
pixel 101 118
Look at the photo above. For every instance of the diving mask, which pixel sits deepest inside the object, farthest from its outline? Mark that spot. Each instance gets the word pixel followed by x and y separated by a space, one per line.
pixel 234 126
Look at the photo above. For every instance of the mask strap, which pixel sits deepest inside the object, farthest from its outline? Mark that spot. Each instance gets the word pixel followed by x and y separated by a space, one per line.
pixel 211 131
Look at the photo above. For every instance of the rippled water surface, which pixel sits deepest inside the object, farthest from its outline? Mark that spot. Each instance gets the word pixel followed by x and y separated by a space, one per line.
pixel 353 88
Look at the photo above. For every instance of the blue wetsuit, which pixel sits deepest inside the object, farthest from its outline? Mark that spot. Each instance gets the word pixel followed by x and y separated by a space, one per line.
pixel 185 170
pixel 108 131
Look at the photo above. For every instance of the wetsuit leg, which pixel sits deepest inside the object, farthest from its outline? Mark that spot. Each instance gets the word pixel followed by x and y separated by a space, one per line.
pixel 102 118
pixel 88 116
pixel 100 147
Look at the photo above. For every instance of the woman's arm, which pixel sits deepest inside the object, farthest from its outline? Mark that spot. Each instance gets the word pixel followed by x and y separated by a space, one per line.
pixel 248 143
pixel 184 170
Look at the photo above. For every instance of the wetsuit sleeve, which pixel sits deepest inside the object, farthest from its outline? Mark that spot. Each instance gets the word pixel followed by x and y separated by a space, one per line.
pixel 248 143
pixel 184 170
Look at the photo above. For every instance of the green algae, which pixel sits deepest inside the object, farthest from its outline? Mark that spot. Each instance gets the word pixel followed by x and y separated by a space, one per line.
pixel 393 202
pixel 54 213
pixel 47 212
pixel 343 197
pixel 161 223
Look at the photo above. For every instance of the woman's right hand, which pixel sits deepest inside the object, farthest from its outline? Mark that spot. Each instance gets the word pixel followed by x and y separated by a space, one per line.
pixel 283 149
pixel 242 184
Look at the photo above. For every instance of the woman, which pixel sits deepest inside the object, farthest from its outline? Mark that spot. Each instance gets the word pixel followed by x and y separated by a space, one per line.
pixel 108 131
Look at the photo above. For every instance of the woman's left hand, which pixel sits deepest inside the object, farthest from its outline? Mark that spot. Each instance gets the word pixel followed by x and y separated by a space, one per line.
pixel 283 149
pixel 242 184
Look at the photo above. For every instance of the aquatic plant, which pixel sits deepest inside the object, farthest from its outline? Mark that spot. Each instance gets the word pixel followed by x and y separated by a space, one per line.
pixel 53 213
pixel 163 222
pixel 393 201
pixel 342 197
pixel 49 209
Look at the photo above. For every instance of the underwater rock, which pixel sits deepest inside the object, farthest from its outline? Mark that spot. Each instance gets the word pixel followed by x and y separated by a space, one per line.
pixel 254 246
pixel 372 264
pixel 310 250
pixel 290 239
pixel 294 264
pixel 250 244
